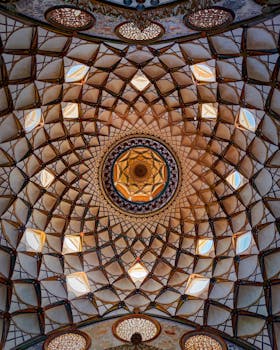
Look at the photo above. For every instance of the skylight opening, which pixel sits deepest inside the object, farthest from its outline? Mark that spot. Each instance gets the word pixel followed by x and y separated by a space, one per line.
pixel 72 244
pixel 209 110
pixel 235 179
pixel 77 284
pixel 246 120
pixel 140 81
pixel 205 246
pixel 76 74
pixel 33 119
pixel 203 73
pixel 198 286
pixel 243 243
pixel 138 272
pixel 70 111
pixel 46 178
pixel 34 240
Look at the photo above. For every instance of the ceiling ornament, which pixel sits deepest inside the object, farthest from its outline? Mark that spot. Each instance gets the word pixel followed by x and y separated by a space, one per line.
pixel 68 340
pixel 140 175
pixel 209 18
pixel 200 340
pixel 70 17
pixel 140 31
pixel 136 326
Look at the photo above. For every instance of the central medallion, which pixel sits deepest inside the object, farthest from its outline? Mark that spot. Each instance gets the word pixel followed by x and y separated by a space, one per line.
pixel 140 175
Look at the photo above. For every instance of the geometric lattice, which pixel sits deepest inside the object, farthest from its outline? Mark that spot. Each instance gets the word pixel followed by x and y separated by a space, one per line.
pixel 241 297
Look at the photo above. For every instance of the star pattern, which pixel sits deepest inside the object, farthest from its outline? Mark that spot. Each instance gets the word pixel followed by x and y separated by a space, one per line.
pixel 56 221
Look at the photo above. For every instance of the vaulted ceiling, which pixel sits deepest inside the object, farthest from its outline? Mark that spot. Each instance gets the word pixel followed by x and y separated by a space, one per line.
pixel 215 102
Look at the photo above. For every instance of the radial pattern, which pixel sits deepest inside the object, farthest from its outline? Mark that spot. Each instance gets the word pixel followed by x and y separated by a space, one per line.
pixel 212 254
pixel 140 175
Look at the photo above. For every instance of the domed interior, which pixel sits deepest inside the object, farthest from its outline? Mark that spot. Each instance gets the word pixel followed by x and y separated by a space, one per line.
pixel 205 258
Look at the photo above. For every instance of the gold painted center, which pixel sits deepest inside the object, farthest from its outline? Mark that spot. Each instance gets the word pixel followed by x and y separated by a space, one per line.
pixel 140 170
pixel 140 174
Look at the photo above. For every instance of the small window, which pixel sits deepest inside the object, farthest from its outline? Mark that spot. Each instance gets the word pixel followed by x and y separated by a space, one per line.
pixel 236 180
pixel 70 111
pixel 140 81
pixel 203 73
pixel 46 178
pixel 198 286
pixel 243 243
pixel 246 120
pixel 209 110
pixel 34 240
pixel 33 119
pixel 205 246
pixel 138 272
pixel 72 244
pixel 77 73
pixel 77 284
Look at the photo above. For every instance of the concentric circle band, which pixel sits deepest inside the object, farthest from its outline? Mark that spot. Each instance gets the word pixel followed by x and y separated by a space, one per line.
pixel 162 178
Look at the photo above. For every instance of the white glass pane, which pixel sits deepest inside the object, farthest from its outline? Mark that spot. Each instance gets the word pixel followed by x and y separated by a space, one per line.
pixel 76 73
pixel 32 119
pixel 46 178
pixel 247 119
pixel 77 283
pixel 71 244
pixel 243 242
pixel 140 81
pixel 138 272
pixel 203 73
pixel 70 111
pixel 209 110
pixel 205 246
pixel 197 286
pixel 235 179
pixel 34 240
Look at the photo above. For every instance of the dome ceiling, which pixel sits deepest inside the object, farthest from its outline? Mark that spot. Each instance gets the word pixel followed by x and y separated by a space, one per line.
pixel 210 256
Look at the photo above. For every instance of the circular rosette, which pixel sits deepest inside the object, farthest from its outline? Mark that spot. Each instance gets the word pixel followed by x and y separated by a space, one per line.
pixel 140 175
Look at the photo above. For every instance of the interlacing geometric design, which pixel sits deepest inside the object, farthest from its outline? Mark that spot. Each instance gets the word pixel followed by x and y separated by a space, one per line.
pixel 140 175
pixel 212 255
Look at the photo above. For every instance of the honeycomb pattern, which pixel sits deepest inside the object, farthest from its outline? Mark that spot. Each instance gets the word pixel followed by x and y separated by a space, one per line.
pixel 50 192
